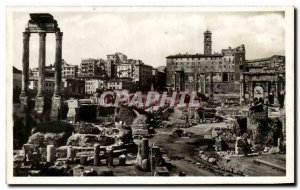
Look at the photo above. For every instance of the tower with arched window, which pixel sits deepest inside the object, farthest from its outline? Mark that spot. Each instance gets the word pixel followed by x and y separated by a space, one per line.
pixel 207 42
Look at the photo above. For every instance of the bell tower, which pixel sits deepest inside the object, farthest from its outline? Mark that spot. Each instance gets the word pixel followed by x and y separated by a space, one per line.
pixel 207 42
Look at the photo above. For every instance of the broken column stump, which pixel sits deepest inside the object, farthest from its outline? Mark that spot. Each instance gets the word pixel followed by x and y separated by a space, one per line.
pixel 51 154
pixel 96 155
pixel 122 160
pixel 83 160
pixel 71 153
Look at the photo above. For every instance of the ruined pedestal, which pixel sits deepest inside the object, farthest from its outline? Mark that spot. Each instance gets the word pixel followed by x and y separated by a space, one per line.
pixel 39 104
pixel 55 108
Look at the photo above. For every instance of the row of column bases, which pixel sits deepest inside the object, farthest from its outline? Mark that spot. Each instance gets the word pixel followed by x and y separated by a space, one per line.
pixel 71 156
pixel 39 101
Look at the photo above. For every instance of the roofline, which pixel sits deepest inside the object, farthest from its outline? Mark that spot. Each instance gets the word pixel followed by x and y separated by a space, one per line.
pixel 263 59
pixel 194 55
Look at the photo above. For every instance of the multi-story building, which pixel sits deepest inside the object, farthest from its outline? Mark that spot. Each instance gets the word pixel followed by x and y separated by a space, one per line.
pixel 48 85
pixel 68 70
pixel 159 79
pixel 143 75
pixel 93 67
pixel 112 61
pixel 116 58
pixel 120 84
pixel 49 72
pixel 273 63
pixel 88 67
pixel 92 84
pixel 49 79
pixel 206 73
pixel 140 73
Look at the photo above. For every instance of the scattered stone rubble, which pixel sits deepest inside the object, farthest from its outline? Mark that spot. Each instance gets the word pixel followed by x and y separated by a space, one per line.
pixel 245 135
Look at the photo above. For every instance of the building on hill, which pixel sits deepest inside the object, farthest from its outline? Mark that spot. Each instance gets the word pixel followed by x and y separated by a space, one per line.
pixel 208 73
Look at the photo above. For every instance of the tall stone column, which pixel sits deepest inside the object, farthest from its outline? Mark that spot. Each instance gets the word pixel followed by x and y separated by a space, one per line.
pixel 251 91
pixel 56 99
pixel 276 93
pixel 242 94
pixel 25 65
pixel 39 101
pixel 211 86
pixel 58 58
pixel 204 84
pixel 175 81
pixel 42 62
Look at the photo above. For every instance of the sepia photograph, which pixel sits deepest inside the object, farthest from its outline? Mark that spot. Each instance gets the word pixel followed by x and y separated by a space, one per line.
pixel 150 95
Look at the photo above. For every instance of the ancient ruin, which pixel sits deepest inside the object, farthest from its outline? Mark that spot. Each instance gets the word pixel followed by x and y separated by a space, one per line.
pixel 42 24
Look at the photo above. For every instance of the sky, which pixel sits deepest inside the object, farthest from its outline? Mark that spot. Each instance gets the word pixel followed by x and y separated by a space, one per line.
pixel 152 36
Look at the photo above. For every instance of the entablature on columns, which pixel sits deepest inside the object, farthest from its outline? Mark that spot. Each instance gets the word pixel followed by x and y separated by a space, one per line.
pixel 42 22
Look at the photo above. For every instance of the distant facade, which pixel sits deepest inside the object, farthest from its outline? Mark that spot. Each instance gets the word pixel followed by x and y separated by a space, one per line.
pixel 92 84
pixel 73 86
pixel 48 85
pixel 120 84
pixel 116 58
pixel 17 79
pixel 49 72
pixel 273 63
pixel 112 61
pixel 140 73
pixel 93 67
pixel 206 73
pixel 159 78
pixel 17 84
pixel 49 81
pixel 68 70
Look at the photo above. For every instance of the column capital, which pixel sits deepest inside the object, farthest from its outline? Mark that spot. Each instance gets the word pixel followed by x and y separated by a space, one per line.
pixel 26 35
pixel 42 34
pixel 58 35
